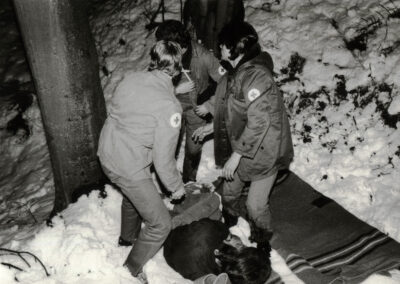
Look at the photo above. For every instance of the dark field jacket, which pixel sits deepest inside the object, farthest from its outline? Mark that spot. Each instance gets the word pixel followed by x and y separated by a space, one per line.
pixel 203 65
pixel 252 109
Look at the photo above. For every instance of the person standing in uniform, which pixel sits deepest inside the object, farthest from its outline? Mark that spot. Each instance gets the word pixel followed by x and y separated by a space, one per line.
pixel 257 126
pixel 199 65
pixel 141 130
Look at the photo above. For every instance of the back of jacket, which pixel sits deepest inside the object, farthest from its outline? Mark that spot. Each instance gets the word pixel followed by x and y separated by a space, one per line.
pixel 142 128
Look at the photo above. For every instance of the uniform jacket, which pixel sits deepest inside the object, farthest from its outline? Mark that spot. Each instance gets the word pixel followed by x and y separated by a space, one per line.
pixel 255 116
pixel 142 129
pixel 203 65
pixel 217 106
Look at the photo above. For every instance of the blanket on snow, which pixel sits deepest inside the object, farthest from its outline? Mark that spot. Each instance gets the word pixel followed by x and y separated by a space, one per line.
pixel 321 241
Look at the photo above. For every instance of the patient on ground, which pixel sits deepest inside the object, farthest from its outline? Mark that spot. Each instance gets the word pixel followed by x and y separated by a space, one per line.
pixel 206 247
pixel 319 240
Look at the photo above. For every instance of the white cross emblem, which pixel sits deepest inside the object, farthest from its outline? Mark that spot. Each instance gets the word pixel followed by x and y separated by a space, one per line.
pixel 175 120
pixel 253 94
pixel 221 70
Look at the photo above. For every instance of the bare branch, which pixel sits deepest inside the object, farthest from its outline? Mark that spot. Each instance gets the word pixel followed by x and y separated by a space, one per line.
pixel 19 253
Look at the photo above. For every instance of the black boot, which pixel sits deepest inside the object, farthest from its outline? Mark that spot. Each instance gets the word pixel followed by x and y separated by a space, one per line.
pixel 261 237
pixel 229 219
pixel 124 243
pixel 218 185
pixel 265 247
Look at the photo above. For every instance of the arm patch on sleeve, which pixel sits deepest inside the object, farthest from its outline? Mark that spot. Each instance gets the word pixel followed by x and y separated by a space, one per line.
pixel 253 94
pixel 221 70
pixel 175 120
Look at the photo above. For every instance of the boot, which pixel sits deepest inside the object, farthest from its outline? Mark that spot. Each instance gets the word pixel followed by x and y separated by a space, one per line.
pixel 261 237
pixel 124 243
pixel 142 278
pixel 265 246
pixel 229 219
pixel 218 185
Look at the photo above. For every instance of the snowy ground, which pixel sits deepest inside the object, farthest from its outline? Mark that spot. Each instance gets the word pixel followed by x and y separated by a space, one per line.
pixel 338 64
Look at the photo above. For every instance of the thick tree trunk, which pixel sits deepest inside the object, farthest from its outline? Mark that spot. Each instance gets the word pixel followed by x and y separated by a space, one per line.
pixel 63 61
pixel 208 17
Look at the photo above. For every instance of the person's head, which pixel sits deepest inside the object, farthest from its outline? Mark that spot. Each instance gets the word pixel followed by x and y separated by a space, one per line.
pixel 243 264
pixel 173 30
pixel 235 38
pixel 166 56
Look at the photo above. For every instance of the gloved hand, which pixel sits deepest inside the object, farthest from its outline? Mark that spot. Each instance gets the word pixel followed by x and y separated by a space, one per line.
pixel 201 110
pixel 178 196
pixel 185 87
pixel 231 166
pixel 200 133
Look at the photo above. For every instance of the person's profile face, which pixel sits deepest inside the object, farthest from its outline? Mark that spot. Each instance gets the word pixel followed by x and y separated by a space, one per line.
pixel 184 49
pixel 234 241
pixel 225 52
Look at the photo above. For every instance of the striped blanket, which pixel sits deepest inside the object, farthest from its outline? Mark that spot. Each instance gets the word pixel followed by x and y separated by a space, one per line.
pixel 323 243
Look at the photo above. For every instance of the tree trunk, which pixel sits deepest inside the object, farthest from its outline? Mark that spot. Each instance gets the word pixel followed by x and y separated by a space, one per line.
pixel 63 62
pixel 208 17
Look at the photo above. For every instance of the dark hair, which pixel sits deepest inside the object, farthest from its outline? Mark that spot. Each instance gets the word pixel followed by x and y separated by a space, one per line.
pixel 245 265
pixel 238 37
pixel 173 30
pixel 166 56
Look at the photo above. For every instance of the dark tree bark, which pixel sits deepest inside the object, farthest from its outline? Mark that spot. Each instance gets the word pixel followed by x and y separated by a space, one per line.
pixel 63 61
pixel 208 17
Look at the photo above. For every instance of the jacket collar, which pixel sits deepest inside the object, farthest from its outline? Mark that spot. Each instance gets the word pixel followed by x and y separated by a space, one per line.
pixel 163 77
pixel 250 54
pixel 187 57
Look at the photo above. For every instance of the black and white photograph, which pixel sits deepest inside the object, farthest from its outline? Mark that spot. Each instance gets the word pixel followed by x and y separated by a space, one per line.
pixel 199 141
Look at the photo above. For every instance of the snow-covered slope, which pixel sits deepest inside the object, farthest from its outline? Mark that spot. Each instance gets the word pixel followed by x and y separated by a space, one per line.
pixel 337 63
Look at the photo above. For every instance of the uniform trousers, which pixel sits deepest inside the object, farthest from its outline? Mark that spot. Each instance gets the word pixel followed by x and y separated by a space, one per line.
pixel 257 202
pixel 191 161
pixel 141 202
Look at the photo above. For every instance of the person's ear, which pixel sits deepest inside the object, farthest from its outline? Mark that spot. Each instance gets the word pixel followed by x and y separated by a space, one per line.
pixel 217 261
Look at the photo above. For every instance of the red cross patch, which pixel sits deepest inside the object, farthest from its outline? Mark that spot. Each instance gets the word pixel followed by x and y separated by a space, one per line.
pixel 253 94
pixel 175 120
pixel 221 70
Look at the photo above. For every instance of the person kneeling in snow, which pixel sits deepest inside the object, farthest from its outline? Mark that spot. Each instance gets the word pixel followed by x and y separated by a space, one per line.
pixel 142 129
pixel 205 248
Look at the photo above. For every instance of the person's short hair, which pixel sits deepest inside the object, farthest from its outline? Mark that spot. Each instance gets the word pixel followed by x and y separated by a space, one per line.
pixel 173 30
pixel 245 265
pixel 166 56
pixel 237 36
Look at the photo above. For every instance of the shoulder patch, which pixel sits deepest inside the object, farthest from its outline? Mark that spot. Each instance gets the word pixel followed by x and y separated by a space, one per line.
pixel 175 120
pixel 253 94
pixel 221 70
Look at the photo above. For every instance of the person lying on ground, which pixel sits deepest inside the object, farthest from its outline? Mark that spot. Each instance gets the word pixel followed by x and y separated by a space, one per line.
pixel 206 247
